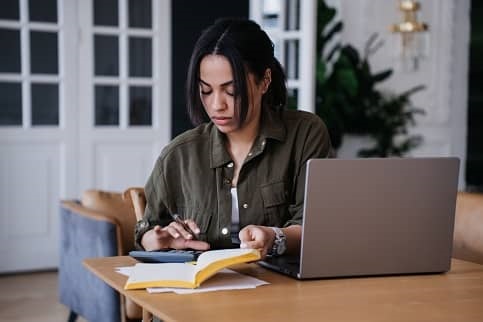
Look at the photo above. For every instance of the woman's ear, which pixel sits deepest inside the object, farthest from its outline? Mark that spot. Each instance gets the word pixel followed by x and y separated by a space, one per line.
pixel 267 79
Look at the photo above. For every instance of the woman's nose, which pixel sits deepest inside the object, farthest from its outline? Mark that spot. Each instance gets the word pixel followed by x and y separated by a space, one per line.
pixel 219 102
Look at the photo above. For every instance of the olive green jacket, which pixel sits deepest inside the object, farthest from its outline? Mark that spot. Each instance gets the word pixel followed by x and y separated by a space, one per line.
pixel 192 177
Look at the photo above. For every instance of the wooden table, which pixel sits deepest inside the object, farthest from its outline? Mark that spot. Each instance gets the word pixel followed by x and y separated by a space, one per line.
pixel 454 296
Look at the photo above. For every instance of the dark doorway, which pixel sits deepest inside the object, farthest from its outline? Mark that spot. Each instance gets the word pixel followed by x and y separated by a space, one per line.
pixel 189 18
pixel 474 161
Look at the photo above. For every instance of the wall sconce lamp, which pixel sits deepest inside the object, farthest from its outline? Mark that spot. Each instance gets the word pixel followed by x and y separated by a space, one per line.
pixel 413 35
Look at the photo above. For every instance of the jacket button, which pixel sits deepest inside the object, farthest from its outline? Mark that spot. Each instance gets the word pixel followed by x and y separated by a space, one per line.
pixel 229 165
pixel 245 205
pixel 250 154
pixel 224 231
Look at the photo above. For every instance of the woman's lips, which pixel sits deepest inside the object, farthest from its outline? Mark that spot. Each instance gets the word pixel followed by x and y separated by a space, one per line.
pixel 220 120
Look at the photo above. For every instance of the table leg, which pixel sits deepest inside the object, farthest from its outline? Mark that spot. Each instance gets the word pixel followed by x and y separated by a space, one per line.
pixel 147 316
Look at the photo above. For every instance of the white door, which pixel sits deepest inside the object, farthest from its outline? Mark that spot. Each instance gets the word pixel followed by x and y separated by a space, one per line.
pixel 37 130
pixel 69 118
pixel 124 90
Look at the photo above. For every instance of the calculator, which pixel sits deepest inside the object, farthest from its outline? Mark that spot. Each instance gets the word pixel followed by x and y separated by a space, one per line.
pixel 166 256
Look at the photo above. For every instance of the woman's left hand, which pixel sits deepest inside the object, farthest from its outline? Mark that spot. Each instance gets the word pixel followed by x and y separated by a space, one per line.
pixel 257 237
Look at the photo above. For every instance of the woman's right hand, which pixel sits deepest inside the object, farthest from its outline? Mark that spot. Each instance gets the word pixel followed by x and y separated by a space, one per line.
pixel 171 236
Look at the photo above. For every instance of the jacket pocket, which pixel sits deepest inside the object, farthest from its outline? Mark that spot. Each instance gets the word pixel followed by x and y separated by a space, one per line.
pixel 273 194
pixel 275 206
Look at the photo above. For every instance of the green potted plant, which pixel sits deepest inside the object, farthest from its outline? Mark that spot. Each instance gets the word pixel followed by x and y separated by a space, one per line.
pixel 347 97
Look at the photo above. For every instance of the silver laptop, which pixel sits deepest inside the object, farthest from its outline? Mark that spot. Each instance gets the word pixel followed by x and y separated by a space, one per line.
pixel 367 217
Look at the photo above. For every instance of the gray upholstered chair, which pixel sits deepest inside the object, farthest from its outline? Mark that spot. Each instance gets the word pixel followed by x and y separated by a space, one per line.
pixel 101 224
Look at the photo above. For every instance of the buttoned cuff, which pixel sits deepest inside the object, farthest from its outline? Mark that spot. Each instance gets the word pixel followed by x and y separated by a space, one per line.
pixel 140 228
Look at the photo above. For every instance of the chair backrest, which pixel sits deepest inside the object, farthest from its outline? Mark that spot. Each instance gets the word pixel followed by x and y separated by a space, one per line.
pixel 468 230
pixel 111 205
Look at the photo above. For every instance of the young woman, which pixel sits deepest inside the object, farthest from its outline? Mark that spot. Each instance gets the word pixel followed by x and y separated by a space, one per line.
pixel 237 179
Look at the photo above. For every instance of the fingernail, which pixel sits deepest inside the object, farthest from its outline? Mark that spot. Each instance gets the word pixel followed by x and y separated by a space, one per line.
pixel 197 230
pixel 243 245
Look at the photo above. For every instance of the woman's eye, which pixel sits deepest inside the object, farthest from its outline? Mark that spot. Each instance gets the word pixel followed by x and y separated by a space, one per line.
pixel 230 90
pixel 205 92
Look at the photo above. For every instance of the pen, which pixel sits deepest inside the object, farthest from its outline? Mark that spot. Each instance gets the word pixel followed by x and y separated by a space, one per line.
pixel 180 221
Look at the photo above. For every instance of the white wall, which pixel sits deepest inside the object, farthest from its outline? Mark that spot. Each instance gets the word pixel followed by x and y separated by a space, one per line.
pixel 444 71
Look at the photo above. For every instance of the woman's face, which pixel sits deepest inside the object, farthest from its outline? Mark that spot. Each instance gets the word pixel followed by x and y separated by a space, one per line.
pixel 217 95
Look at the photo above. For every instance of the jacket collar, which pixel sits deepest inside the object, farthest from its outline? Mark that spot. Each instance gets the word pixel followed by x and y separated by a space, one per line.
pixel 272 127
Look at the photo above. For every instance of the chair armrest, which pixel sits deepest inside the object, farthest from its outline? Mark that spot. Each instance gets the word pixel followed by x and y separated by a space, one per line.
pixel 98 219
pixel 85 234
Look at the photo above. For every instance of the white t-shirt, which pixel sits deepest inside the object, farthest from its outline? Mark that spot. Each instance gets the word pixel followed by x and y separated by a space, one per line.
pixel 235 216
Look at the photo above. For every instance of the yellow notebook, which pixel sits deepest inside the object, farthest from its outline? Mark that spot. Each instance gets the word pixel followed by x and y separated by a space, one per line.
pixel 188 275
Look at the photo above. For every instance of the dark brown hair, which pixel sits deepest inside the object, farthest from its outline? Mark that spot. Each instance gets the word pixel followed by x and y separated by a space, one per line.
pixel 248 49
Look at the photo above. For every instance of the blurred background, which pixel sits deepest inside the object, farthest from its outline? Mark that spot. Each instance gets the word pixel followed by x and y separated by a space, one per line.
pixel 90 91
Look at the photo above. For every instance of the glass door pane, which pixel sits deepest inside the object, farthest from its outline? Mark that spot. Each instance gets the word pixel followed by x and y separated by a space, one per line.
pixel 140 105
pixel 292 8
pixel 43 11
pixel 43 53
pixel 10 103
pixel 106 13
pixel 10 55
pixel 291 61
pixel 140 57
pixel 45 104
pixel 140 13
pixel 107 105
pixel 10 10
pixel 106 55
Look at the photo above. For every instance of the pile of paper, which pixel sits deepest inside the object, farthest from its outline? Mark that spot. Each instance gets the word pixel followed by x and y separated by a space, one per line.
pixel 225 279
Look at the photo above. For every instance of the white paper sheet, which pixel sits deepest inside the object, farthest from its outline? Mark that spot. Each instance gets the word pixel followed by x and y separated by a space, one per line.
pixel 125 270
